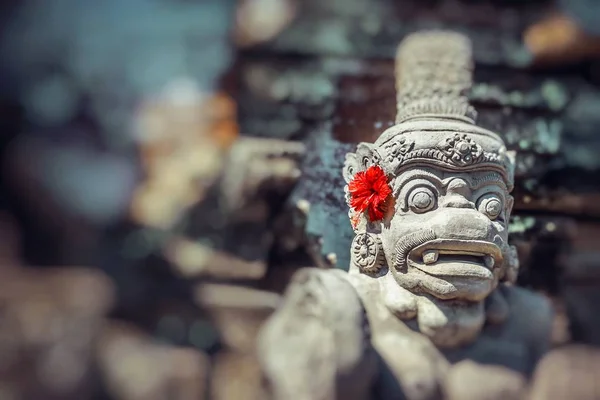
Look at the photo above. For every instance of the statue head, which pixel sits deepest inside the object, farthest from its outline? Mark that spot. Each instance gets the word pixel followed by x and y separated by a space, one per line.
pixel 429 200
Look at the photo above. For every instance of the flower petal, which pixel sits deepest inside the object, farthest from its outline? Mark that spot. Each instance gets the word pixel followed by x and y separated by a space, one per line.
pixel 369 191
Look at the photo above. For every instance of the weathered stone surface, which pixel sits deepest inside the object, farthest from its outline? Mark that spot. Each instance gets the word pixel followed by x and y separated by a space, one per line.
pixel 50 321
pixel 569 372
pixel 320 187
pixel 340 28
pixel 195 260
pixel 236 376
pixel 317 345
pixel 542 120
pixel 251 25
pixel 225 233
pixel 471 381
pixel 183 135
pixel 237 312
pixel 547 118
pixel 567 36
pixel 134 367
pixel 255 168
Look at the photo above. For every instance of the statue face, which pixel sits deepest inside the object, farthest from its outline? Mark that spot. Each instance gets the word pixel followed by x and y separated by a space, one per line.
pixel 446 234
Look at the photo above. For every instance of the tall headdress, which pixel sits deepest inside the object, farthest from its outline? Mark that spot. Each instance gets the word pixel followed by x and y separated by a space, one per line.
pixel 435 124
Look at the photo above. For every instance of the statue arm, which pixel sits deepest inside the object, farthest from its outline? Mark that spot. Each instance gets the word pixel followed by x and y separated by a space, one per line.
pixel 317 343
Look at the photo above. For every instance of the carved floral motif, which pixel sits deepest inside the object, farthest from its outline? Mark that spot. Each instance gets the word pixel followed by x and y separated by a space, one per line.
pixel 399 148
pixel 461 150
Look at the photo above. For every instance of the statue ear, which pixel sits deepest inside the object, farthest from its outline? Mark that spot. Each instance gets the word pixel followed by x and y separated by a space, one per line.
pixel 365 157
pixel 351 167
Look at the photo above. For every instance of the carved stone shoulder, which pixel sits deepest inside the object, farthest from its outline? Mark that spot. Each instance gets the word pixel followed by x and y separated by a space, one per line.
pixel 317 344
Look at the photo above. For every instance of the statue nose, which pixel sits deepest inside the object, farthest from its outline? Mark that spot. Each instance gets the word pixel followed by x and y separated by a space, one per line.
pixel 458 194
pixel 462 223
pixel 457 201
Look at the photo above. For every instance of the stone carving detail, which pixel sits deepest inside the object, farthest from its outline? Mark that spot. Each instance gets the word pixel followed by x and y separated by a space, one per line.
pixel 367 155
pixel 452 151
pixel 462 150
pixel 367 253
pixel 433 84
pixel 430 203
pixel 399 149
pixel 364 157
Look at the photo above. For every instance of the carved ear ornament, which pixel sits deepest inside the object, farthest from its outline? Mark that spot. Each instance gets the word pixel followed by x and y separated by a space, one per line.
pixel 367 253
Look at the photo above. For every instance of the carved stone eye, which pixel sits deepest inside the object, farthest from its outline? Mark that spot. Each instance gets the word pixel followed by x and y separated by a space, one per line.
pixel 421 200
pixel 490 205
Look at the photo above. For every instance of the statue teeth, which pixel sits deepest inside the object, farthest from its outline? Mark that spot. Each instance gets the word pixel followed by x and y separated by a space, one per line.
pixel 430 256
pixel 489 262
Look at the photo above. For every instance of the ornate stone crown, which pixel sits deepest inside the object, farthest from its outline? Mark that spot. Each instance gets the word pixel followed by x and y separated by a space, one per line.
pixel 435 124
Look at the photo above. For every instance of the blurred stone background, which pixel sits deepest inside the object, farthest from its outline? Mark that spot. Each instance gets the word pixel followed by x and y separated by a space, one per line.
pixel 168 164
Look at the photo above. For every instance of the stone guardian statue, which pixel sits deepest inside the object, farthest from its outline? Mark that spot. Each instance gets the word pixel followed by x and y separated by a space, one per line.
pixel 431 280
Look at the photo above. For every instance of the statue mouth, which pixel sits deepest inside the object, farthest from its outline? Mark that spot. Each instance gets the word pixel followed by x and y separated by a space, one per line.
pixel 456 258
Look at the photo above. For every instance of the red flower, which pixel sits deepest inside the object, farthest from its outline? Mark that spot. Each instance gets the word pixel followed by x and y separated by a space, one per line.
pixel 369 190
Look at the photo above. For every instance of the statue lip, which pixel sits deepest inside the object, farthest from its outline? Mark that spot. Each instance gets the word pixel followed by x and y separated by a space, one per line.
pixel 456 258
